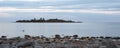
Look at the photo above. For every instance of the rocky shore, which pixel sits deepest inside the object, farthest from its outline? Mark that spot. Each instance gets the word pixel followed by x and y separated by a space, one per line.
pixel 59 42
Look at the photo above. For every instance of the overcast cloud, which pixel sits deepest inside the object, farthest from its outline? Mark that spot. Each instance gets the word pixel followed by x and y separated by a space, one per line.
pixel 80 10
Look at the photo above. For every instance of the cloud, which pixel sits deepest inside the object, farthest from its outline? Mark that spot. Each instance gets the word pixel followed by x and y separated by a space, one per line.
pixel 10 9
pixel 5 15
pixel 36 0
pixel 61 5
pixel 69 4
pixel 78 9
pixel 1 0
pixel 21 0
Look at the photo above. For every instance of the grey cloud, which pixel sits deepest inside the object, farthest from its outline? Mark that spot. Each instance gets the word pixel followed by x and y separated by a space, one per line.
pixel 68 4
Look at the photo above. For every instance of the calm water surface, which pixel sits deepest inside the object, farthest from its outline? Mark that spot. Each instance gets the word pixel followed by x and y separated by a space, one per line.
pixel 49 29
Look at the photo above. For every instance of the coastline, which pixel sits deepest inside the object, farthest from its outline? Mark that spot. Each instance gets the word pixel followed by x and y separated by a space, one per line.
pixel 59 42
pixel 50 22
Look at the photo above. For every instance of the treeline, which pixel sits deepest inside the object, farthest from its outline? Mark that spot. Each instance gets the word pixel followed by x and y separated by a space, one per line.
pixel 44 20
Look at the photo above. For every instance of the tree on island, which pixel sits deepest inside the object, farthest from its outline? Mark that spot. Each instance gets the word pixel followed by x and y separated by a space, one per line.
pixel 43 20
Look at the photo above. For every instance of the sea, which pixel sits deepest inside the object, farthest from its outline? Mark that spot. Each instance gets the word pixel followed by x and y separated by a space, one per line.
pixel 111 29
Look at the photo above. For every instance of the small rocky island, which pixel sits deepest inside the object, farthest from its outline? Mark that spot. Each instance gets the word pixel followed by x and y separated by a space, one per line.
pixel 42 20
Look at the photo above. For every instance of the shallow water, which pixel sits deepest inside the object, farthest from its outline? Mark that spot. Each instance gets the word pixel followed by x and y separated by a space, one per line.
pixel 49 29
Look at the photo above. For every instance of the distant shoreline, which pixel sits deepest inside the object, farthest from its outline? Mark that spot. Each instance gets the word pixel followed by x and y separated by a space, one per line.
pixel 48 22
pixel 42 20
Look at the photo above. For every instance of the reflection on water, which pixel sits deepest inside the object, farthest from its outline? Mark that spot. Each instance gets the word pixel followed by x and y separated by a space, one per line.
pixel 49 29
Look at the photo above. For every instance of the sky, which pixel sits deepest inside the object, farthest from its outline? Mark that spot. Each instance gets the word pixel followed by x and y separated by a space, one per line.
pixel 77 10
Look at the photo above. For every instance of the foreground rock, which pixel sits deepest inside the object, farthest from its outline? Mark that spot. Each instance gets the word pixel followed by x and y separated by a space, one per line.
pixel 60 42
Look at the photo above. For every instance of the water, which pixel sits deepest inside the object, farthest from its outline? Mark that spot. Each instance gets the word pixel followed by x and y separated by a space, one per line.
pixel 49 29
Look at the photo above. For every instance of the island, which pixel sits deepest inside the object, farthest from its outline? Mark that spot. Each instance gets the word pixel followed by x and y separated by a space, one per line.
pixel 42 20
